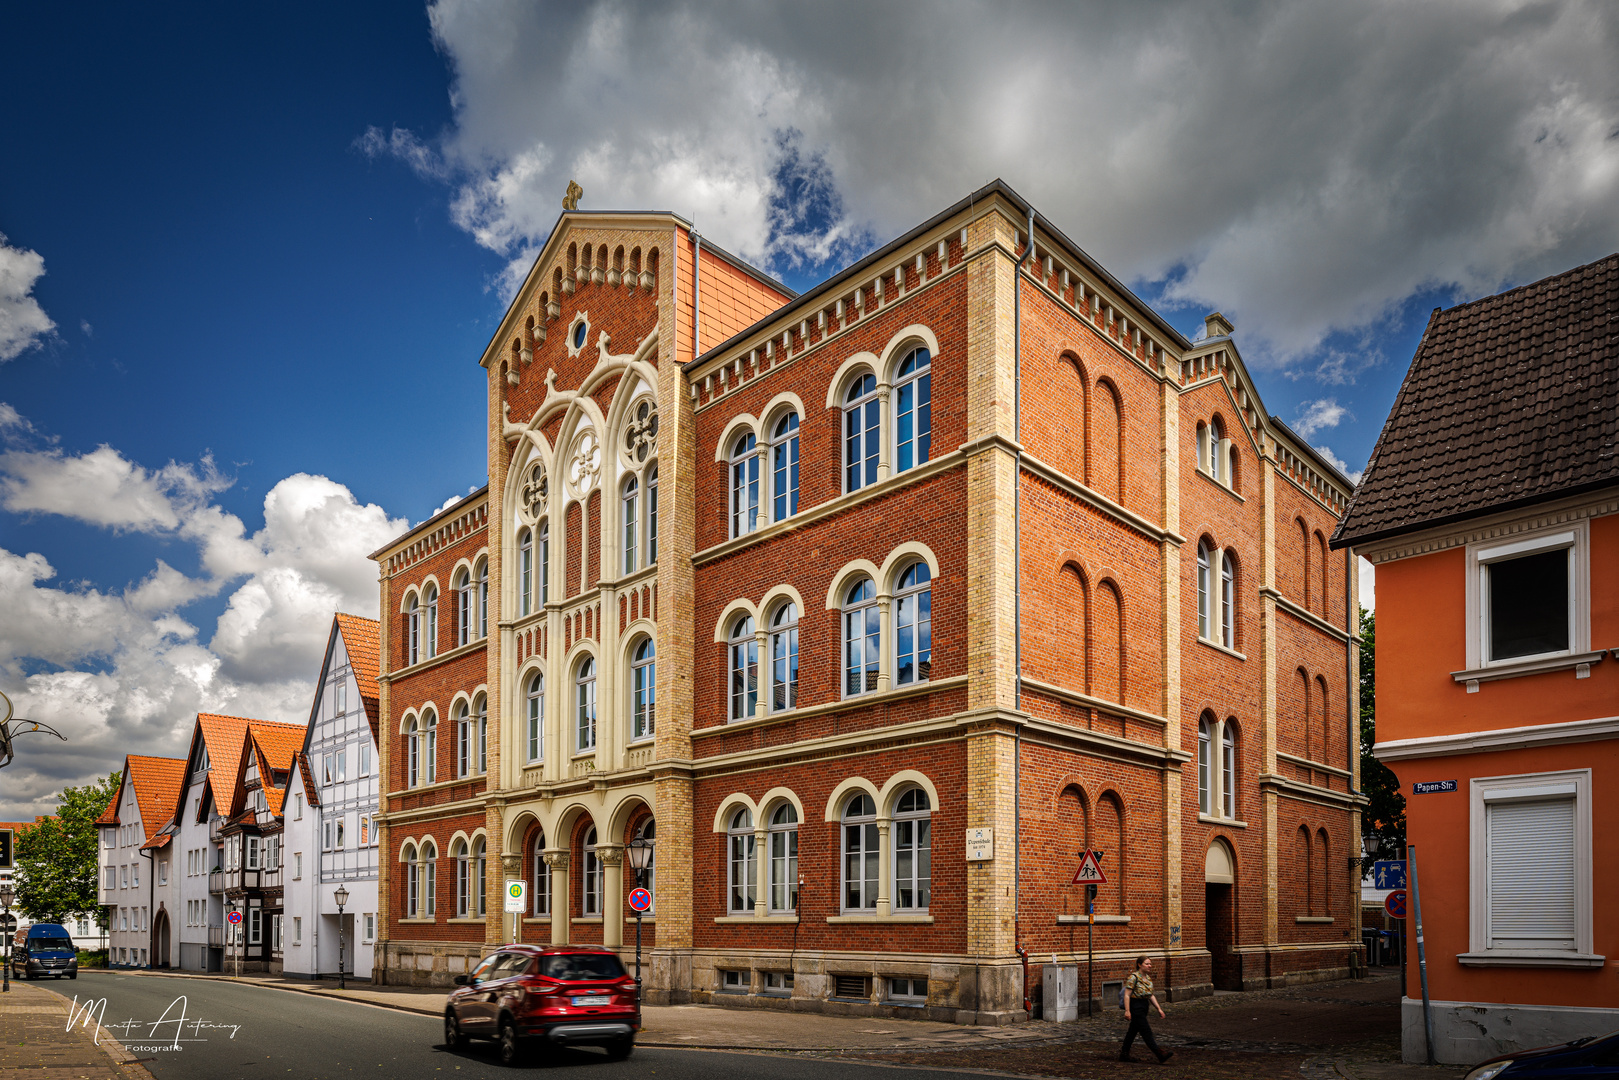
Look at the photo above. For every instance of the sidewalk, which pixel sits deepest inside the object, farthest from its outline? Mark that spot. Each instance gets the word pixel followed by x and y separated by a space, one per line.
pixel 35 1040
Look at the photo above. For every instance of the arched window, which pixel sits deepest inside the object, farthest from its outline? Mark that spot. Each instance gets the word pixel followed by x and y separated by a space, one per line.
pixel 480 709
pixel 542 876
pixel 913 624
pixel 1203 613
pixel 1228 769
pixel 744 485
pixel 784 657
pixel 913 410
pixel 413 753
pixel 784 859
pixel 913 851
pixel 463 878
pixel 465 748
pixel 1219 454
pixel 430 622
pixel 862 638
pixel 1321 561
pixel 413 883
pixel 632 493
pixel 644 692
pixel 861 853
pixel 585 705
pixel 429 746
pixel 1205 459
pixel 784 468
pixel 1306 862
pixel 862 425
pixel 429 879
pixel 525 572
pixel 593 886
pixel 744 651
pixel 743 870
pixel 413 629
pixel 534 718
pixel 480 866
pixel 545 562
pixel 1228 600
pixel 1305 546
pixel 1205 803
pixel 466 600
pixel 1324 877
pixel 648 831
pixel 483 598
pixel 652 516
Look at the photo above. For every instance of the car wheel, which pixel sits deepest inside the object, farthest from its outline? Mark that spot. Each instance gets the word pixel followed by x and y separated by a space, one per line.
pixel 619 1049
pixel 511 1050
pixel 75 975
pixel 454 1037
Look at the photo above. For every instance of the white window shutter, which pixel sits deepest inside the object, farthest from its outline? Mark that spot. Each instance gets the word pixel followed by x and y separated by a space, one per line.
pixel 1531 875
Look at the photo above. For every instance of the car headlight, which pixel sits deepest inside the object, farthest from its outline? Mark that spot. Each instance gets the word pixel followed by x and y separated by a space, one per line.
pixel 1488 1072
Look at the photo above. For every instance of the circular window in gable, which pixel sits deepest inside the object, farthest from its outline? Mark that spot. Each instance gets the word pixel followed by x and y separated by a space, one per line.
pixel 579 334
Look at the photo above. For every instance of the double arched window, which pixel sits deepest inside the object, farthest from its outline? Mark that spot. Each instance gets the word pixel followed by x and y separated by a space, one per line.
pixel 743 876
pixel 784 657
pixel 909 865
pixel 585 705
pixel 542 876
pixel 644 692
pixel 744 665
pixel 1216 595
pixel 1217 767
pixel 639 510
pixel 534 718
pixel 1216 457
pixel 472 603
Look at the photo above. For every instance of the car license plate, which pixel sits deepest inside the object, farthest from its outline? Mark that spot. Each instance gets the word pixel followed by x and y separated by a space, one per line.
pixel 592 999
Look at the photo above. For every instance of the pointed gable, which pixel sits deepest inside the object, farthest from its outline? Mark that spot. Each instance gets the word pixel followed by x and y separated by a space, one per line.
pixel 158 782
pixel 362 640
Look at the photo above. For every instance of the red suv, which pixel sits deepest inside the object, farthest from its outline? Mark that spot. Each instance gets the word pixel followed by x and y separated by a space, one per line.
pixel 559 993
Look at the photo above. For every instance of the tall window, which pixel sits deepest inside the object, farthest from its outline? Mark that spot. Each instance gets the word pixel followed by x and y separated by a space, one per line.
pixel 1217 453
pixel 585 705
pixel 862 424
pixel 1203 621
pixel 480 864
pixel 430 621
pixel 1228 769
pixel 784 657
pixel 744 669
pixel 913 410
pixel 743 869
pixel 914 624
pixel 593 883
pixel 430 878
pixel 542 877
pixel 413 753
pixel 413 883
pixel 483 598
pixel 525 572
pixel 861 849
pixel 652 516
pixel 429 746
pixel 648 831
pixel 862 638
pixel 534 717
pixel 464 748
pixel 744 485
pixel 545 562
pixel 1228 601
pixel 784 468
pixel 413 629
pixel 913 851
pixel 466 600
pixel 1204 794
pixel 784 858
pixel 632 493
pixel 480 708
pixel 463 878
pixel 644 692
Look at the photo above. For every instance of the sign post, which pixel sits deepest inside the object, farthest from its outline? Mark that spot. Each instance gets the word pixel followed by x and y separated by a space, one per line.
pixel 1090 875
pixel 1422 951
pixel 234 917
pixel 516 903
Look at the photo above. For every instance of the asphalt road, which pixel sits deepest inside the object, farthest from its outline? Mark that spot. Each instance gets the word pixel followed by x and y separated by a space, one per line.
pixel 231 1031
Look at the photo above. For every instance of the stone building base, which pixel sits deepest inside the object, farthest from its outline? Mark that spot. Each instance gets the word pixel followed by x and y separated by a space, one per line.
pixel 424 963
pixel 1466 1033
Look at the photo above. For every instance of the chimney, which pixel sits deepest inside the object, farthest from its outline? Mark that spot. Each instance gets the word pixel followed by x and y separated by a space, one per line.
pixel 1216 325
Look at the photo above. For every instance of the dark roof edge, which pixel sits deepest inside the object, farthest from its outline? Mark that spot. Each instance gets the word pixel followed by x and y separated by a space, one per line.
pixel 1313 454
pixel 882 254
pixel 1338 542
pixel 446 512
pixel 746 267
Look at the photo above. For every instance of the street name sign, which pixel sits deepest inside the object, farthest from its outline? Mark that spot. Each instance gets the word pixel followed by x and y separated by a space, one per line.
pixel 1432 787
pixel 516 896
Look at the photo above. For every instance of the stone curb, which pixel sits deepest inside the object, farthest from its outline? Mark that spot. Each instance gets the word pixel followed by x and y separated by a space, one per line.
pixel 103 1038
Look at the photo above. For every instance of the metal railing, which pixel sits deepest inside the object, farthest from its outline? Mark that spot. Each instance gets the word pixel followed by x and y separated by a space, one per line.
pixel 216 881
pixel 216 937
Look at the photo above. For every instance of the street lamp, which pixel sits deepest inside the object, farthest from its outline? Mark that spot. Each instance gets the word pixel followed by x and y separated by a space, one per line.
pixel 5 900
pixel 640 850
pixel 342 897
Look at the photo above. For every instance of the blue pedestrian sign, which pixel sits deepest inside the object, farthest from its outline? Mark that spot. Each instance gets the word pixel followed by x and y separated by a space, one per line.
pixel 1388 874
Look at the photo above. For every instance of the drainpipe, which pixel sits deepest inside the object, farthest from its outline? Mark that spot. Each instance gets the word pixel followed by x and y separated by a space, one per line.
pixel 1017 604
pixel 1352 743
pixel 151 900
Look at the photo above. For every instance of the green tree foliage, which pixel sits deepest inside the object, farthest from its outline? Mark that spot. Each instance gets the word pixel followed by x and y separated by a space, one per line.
pixel 57 858
pixel 1382 822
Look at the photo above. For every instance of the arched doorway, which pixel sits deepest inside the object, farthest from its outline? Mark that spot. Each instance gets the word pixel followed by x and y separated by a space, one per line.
pixel 1220 916
pixel 160 939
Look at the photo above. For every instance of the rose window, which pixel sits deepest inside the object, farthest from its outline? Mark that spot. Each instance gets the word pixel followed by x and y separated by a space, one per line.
pixel 586 464
pixel 641 434
pixel 536 489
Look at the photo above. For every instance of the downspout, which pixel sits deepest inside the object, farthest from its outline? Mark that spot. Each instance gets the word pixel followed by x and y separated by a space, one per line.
pixel 1017 606
pixel 1352 743
pixel 151 900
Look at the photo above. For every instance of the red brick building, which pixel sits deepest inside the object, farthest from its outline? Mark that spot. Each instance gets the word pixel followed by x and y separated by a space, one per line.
pixel 807 589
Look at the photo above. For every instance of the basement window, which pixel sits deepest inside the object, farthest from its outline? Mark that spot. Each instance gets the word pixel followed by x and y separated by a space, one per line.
pixel 908 991
pixel 851 986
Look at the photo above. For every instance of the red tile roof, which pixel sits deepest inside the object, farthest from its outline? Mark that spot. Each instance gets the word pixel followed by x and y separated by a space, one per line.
pixel 157 781
pixel 311 796
pixel 362 638
pixel 225 738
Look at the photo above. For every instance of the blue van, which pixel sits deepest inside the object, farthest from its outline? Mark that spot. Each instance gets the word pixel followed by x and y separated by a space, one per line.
pixel 48 950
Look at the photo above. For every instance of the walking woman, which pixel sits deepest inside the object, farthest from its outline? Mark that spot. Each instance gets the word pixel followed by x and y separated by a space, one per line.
pixel 1138 985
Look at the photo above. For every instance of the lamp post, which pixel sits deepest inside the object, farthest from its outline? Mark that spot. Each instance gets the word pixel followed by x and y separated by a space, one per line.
pixel 640 850
pixel 5 899
pixel 342 897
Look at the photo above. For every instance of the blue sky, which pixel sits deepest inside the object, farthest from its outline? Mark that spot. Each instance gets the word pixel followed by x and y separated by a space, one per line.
pixel 252 254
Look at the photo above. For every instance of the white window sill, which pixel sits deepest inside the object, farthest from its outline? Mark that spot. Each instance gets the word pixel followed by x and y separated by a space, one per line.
pixel 587 920
pixel 1324 920
pixel 1580 662
pixel 1101 920
pixel 1222 485
pixel 1228 823
pixel 901 920
pixel 465 920
pixel 580 755
pixel 744 920
pixel 1211 643
pixel 1530 958
pixel 536 920
pixel 418 922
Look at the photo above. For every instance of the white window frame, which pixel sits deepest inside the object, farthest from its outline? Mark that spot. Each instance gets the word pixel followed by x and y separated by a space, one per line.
pixel 644 691
pixel 741 863
pixel 542 879
pixel 742 668
pixel 1205 592
pixel 544 533
pixel 1205 767
pixel 463 879
pixel 1228 601
pixel 534 718
pixel 865 610
pixel 429 746
pixel 783 643
pixel 483 598
pixel 585 706
pixel 856 450
pixel 595 878
pixel 743 472
pixel 480 870
pixel 1577 538
pixel 368 923
pixel 631 493
pixel 870 848
pixel 463 740
pixel 430 621
pixel 1228 771
pixel 413 622
pixel 1529 786
pixel 783 856
pixel 907 615
pixel 784 467
pixel 919 821
pixel 464 607
pixel 651 514
pixel 913 382
pixel 525 572
pixel 481 719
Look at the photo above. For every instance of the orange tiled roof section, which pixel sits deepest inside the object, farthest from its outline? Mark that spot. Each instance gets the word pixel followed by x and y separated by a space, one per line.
pixel 157 783
pixel 280 745
pixel 310 795
pixel 223 736
pixel 362 638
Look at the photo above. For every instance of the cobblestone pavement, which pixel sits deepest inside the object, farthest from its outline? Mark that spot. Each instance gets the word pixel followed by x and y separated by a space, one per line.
pixel 36 1042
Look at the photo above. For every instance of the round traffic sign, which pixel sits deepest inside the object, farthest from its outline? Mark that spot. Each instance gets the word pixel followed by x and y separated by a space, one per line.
pixel 1394 904
pixel 514 889
pixel 640 900
pixel 234 917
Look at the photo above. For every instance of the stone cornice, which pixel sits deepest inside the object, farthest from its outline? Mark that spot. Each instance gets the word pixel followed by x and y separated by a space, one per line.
pixel 1306 616
pixel 1492 527
pixel 1512 738
pixel 1098 501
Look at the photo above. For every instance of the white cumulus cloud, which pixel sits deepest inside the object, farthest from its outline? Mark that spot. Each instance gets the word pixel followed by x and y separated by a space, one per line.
pixel 22 321
pixel 1318 416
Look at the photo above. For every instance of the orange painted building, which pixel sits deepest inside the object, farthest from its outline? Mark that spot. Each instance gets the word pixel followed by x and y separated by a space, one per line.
pixel 1491 510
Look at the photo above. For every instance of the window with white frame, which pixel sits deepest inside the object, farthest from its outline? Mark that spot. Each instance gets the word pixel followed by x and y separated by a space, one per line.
pixel 463 739
pixel 483 598
pixel 413 753
pixel 545 562
pixel 784 657
pixel 908 991
pixel 862 638
pixel 1530 597
pixel 368 925
pixel 861 853
pixel 413 628
pixel 1228 769
pixel 585 706
pixel 913 410
pixel 463 878
pixel 742 868
pixel 744 655
pixel 542 877
pixel 862 427
pixel 1228 600
pixel 593 885
pixel 342 821
pixel 429 746
pixel 652 515
pixel 1205 790
pixel 784 468
pixel 340 693
pixel 744 485
pixel 430 621
pixel 466 607
pixel 777 982
pixel 1539 908
pixel 252 857
pixel 784 858
pixel 913 625
pixel 644 692
pixel 913 851
pixel 631 495
pixel 480 866
pixel 480 710
pixel 298 806
pixel 525 572
pixel 429 878
pixel 413 883
pixel 534 718
pixel 365 755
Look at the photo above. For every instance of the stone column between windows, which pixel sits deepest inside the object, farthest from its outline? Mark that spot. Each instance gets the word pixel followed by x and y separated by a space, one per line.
pixel 1267 696
pixel 887 645
pixel 885 431
pixel 1171 593
pixel 557 860
pixel 761 644
pixel 766 504
pixel 612 860
pixel 761 869
pixel 885 867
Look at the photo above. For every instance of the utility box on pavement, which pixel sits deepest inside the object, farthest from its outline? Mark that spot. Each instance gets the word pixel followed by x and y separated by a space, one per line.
pixel 1060 1000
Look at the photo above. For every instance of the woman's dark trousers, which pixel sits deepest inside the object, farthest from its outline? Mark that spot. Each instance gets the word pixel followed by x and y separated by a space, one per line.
pixel 1139 1025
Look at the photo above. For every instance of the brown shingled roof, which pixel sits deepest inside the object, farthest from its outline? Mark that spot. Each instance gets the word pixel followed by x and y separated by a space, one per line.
pixel 1509 401
pixel 362 638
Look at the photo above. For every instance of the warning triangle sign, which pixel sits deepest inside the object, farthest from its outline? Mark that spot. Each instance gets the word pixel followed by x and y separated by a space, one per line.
pixel 1090 871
